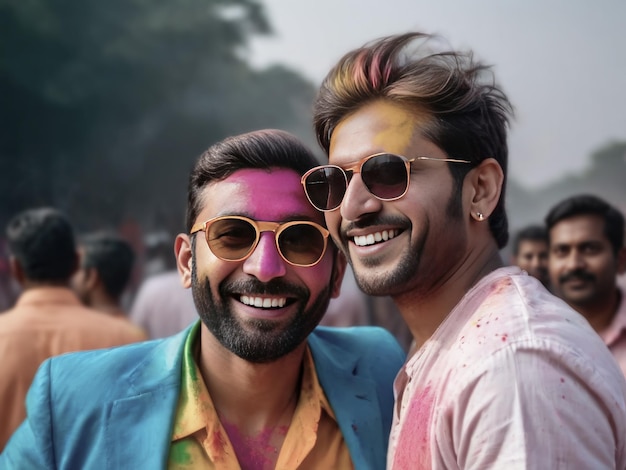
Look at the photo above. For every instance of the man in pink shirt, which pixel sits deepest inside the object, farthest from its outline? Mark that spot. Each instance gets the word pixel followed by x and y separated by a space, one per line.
pixel 502 375
pixel 587 255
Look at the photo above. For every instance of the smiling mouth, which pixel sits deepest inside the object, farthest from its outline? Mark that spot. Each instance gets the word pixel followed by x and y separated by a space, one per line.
pixel 377 237
pixel 263 302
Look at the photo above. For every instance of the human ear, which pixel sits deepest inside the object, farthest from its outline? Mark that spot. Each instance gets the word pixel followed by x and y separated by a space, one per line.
pixel 485 182
pixel 184 258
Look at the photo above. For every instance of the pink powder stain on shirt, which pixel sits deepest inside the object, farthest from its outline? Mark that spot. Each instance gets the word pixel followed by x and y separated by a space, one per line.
pixel 501 285
pixel 254 452
pixel 412 449
pixel 218 442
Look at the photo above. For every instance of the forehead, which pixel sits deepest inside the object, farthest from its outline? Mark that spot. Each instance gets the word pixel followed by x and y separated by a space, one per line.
pixel 578 229
pixel 274 195
pixel 532 245
pixel 379 126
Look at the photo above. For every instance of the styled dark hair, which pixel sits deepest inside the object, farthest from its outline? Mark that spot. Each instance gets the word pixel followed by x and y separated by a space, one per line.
pixel 588 204
pixel 470 113
pixel 42 241
pixel 532 232
pixel 263 149
pixel 112 257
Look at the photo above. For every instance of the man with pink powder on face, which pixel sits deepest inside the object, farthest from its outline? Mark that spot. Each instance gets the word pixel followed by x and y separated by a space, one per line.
pixel 502 375
pixel 254 384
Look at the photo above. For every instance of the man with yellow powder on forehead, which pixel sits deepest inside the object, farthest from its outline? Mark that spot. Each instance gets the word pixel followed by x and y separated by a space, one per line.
pixel 503 374
pixel 254 385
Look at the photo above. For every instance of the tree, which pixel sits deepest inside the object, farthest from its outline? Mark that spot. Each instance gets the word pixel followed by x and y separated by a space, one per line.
pixel 107 104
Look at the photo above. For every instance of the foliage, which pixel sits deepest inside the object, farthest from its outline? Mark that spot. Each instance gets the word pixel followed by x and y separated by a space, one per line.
pixel 105 105
pixel 606 178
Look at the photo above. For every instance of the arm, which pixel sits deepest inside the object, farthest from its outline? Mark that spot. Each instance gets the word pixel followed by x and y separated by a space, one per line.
pixel 531 407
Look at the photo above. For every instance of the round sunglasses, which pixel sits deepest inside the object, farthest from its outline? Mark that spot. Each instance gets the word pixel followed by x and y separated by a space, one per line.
pixel 385 175
pixel 234 238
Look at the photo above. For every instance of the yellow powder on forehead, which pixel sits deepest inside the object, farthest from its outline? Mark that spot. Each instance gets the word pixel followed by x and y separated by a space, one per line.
pixel 378 126
pixel 395 125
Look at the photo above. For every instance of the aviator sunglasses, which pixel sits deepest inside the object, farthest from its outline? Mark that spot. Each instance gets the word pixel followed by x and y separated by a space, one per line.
pixel 234 238
pixel 385 175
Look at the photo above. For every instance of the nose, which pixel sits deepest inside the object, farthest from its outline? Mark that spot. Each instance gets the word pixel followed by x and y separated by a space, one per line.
pixel 265 262
pixel 535 262
pixel 358 200
pixel 575 260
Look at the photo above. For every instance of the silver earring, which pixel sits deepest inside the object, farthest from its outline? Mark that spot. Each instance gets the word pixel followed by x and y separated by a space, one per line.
pixel 480 216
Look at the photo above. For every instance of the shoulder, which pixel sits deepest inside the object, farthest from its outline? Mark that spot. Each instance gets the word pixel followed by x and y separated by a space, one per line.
pixel 369 343
pixel 354 337
pixel 124 369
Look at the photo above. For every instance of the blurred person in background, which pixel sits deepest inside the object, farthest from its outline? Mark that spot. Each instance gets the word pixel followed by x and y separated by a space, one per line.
pixel 106 266
pixel 587 254
pixel 349 308
pixel 529 251
pixel 48 318
pixel 162 306
pixel 255 383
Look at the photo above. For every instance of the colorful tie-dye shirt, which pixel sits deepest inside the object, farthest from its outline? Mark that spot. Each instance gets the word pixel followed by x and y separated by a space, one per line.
pixel 199 440
pixel 512 379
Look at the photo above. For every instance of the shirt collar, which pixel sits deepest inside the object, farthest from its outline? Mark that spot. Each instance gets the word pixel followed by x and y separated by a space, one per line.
pixel 196 411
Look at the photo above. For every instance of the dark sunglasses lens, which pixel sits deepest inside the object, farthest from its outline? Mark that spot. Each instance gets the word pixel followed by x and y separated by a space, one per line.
pixel 385 176
pixel 231 239
pixel 301 244
pixel 326 187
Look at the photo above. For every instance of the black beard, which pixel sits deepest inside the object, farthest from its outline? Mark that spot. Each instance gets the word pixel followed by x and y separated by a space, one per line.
pixel 258 340
pixel 406 271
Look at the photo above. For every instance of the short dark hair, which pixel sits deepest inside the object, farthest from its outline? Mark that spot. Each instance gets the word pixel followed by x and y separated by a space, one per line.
pixel 532 232
pixel 264 149
pixel 588 204
pixel 470 113
pixel 112 257
pixel 42 241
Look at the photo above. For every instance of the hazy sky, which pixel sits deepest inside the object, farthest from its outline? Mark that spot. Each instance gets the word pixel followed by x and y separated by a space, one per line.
pixel 562 62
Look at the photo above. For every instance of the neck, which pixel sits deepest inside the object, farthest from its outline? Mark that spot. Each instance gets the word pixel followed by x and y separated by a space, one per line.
pixel 104 303
pixel 601 312
pixel 426 307
pixel 250 397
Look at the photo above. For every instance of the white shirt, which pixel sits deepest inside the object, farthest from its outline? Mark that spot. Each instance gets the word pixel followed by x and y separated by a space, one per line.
pixel 512 379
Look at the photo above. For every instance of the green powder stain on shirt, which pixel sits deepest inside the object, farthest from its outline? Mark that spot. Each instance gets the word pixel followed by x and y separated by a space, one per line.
pixel 179 454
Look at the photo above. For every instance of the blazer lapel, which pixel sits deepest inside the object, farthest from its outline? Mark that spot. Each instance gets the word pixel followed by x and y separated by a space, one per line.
pixel 139 426
pixel 353 397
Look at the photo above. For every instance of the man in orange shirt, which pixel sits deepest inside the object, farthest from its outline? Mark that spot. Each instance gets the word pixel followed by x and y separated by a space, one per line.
pixel 48 319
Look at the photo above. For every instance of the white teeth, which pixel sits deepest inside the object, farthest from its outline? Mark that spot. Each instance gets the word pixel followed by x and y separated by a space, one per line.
pixel 263 302
pixel 365 240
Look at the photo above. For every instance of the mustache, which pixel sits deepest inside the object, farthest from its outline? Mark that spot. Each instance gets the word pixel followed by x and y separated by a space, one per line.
pixel 374 219
pixel 577 274
pixel 276 287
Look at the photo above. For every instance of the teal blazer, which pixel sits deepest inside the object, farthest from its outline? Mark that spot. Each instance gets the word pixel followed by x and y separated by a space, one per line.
pixel 114 408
